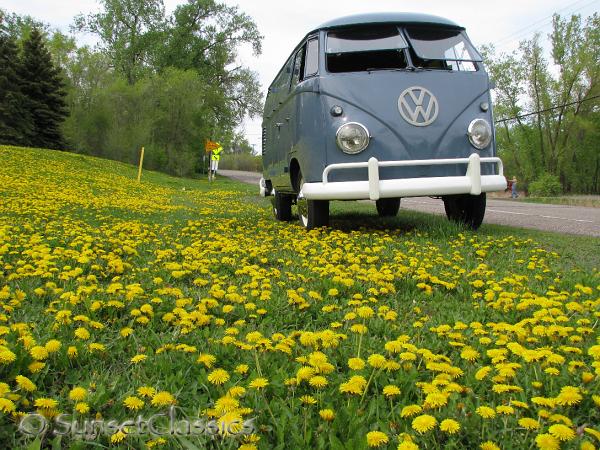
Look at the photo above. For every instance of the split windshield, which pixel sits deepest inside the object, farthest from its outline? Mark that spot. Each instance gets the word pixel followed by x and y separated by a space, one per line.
pixel 443 44
pixel 365 48
pixel 384 47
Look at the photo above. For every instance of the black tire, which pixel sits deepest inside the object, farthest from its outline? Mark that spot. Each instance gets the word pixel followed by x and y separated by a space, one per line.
pixel 312 213
pixel 388 207
pixel 282 206
pixel 466 209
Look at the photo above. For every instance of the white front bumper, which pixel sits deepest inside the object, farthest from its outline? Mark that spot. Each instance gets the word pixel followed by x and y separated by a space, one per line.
pixel 471 183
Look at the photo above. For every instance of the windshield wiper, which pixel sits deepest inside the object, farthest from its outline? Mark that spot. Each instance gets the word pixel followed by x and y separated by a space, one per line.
pixel 399 69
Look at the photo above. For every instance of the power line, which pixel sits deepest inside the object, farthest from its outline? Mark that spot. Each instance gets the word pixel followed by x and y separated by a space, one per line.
pixel 509 36
pixel 504 42
pixel 508 119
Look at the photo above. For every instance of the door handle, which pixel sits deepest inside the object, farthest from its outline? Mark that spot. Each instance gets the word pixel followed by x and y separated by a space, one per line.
pixel 278 124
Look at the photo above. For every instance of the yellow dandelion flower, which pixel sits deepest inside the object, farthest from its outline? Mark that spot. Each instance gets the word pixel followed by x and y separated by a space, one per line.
pixel 7 406
pixel 308 400
pixel 486 412
pixel 424 423
pixel 327 414
pixel 489 445
pixel 146 391
pixel 259 383
pixel 127 331
pixel 449 426
pixel 218 376
pixel 547 442
pixel 528 423
pixel 77 393
pixel 436 400
pixel 391 390
pixel 376 360
pixel 82 333
pixel 45 403
pixel 236 391
pixel 53 345
pixel 25 383
pixel 355 385
pixel 356 363
pixel 82 407
pixel 138 358
pixel 410 410
pixel 242 369
pixel 505 410
pixel 39 353
pixel 226 404
pixel 376 439
pixel 407 445
pixel 133 403
pixel 569 396
pixel 562 432
pixel 206 359
pixel 318 382
pixel 163 398
pixel 119 436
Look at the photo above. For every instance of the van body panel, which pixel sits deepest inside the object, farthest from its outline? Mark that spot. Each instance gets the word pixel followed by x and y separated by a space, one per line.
pixel 372 99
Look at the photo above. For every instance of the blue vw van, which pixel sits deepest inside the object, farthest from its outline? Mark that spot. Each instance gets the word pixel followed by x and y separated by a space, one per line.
pixel 380 107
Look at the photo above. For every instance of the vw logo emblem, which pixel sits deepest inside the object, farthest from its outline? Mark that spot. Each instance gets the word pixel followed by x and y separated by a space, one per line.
pixel 418 106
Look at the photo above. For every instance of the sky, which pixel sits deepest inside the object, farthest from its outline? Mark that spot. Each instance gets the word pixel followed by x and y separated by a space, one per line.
pixel 283 23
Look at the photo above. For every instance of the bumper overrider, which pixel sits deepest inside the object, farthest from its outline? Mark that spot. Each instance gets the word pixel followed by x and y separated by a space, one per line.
pixel 471 183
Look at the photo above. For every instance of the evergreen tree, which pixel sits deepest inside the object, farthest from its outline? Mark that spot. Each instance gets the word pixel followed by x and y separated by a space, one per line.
pixel 15 122
pixel 44 88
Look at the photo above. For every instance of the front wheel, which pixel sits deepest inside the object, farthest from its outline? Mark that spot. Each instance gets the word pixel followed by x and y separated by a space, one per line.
pixel 312 213
pixel 466 209
pixel 387 207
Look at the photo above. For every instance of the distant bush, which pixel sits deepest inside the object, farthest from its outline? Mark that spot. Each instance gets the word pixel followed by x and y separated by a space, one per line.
pixel 547 185
pixel 243 161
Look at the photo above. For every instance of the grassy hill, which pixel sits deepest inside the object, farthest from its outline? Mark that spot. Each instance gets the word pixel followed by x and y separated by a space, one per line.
pixel 120 299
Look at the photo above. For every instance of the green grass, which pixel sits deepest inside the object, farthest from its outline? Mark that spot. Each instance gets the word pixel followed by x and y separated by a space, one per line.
pixel 197 268
pixel 592 201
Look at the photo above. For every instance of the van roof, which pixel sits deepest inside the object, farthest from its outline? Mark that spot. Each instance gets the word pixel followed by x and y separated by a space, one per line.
pixel 389 17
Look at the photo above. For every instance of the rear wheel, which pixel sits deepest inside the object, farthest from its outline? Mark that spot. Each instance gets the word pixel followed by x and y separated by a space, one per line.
pixel 282 206
pixel 466 209
pixel 311 213
pixel 387 207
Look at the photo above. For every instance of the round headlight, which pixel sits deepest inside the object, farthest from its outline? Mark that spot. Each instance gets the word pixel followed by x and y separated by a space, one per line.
pixel 480 133
pixel 352 138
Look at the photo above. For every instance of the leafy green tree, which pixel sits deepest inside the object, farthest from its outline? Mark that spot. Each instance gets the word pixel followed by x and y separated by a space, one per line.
pixel 555 139
pixel 15 121
pixel 128 29
pixel 204 35
pixel 43 88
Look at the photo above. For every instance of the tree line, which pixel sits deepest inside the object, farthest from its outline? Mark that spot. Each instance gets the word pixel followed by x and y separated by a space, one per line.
pixel 167 82
pixel 550 139
pixel 170 81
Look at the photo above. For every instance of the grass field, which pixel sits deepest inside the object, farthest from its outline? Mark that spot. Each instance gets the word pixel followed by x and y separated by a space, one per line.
pixel 121 299
pixel 592 201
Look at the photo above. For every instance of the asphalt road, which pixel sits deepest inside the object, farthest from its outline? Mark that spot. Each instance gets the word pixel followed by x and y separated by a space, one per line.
pixel 557 218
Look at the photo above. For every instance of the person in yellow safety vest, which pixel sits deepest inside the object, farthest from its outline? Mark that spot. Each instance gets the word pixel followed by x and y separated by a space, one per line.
pixel 214 160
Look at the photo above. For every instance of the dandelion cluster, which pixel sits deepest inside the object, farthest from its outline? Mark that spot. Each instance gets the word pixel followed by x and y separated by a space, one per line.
pixel 119 299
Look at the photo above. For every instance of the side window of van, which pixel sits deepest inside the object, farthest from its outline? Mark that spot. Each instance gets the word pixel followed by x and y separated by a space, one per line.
pixel 312 58
pixel 282 82
pixel 298 67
